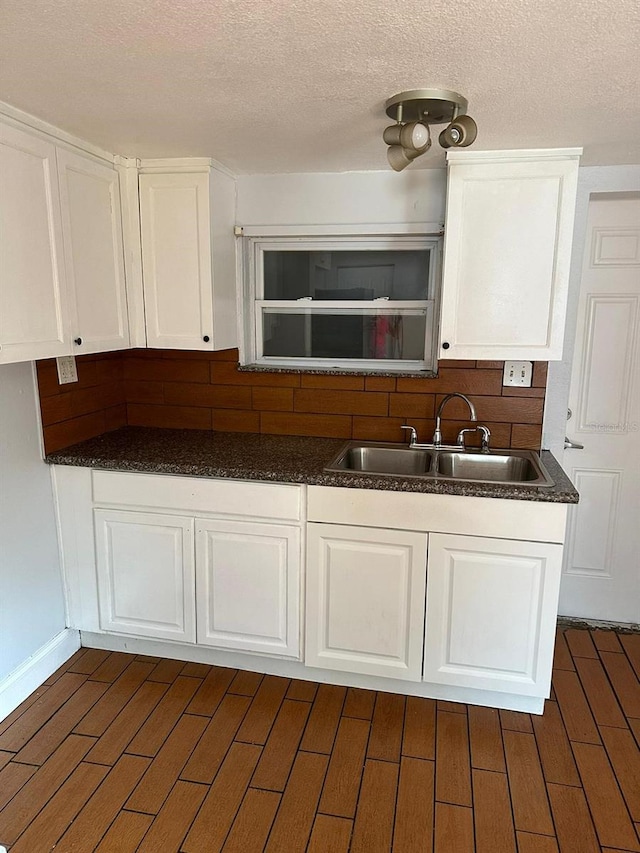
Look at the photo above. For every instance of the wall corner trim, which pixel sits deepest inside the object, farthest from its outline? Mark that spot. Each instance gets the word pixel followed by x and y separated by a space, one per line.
pixel 19 684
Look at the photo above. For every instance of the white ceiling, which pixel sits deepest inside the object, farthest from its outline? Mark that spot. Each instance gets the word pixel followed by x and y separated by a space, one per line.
pixel 299 85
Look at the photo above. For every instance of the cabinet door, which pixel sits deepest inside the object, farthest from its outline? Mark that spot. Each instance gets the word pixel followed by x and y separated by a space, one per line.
pixel 491 613
pixel 248 586
pixel 176 260
pixel 365 600
pixel 146 574
pixel 509 231
pixel 94 260
pixel 34 316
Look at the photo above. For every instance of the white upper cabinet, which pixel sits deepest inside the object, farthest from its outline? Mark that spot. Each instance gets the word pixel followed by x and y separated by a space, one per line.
pixel 509 229
pixel 62 285
pixel 34 320
pixel 92 231
pixel 187 214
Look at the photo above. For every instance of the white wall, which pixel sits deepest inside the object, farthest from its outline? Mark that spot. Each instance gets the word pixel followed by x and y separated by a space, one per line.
pixel 591 179
pixel 31 597
pixel 415 197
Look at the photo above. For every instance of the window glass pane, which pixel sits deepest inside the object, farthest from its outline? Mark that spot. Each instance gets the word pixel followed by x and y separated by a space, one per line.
pixel 354 275
pixel 351 334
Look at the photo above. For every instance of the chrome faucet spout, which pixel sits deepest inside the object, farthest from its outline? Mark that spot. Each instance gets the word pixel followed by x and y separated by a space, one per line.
pixel 437 435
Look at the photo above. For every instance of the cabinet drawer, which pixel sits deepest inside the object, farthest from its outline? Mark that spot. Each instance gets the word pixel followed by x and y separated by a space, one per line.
pixel 192 494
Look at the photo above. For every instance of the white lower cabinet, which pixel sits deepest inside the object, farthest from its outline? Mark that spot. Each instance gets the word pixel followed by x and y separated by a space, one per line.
pixel 491 612
pixel 145 573
pixel 365 600
pixel 247 586
pixel 225 582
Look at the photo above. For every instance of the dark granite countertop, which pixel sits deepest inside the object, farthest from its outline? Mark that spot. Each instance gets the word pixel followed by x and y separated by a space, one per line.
pixel 275 458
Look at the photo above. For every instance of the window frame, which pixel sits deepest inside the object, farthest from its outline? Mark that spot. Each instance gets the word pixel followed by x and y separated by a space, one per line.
pixel 253 304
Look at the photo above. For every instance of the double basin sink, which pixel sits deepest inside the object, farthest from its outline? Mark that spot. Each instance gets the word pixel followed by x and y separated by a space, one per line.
pixel 510 467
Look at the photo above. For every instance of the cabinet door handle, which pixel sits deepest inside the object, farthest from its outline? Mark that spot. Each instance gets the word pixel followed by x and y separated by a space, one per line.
pixel 446 345
pixel 78 342
pixel 206 339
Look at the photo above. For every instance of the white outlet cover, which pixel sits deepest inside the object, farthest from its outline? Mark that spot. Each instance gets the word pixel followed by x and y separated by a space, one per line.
pixel 517 374
pixel 67 371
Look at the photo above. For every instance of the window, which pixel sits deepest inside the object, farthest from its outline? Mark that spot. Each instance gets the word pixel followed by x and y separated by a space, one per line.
pixel 349 303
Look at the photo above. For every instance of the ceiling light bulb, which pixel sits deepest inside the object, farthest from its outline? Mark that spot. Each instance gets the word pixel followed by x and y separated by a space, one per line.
pixel 416 136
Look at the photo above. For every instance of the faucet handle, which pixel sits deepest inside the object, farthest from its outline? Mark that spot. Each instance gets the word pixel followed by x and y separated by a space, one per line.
pixel 413 434
pixel 486 436
pixel 484 441
pixel 461 435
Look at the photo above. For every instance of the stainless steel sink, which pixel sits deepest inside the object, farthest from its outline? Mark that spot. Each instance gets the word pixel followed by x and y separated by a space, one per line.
pixel 511 467
pixel 516 466
pixel 382 459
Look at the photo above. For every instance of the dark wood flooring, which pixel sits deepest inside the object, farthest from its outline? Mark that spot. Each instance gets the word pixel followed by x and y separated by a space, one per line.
pixel 118 753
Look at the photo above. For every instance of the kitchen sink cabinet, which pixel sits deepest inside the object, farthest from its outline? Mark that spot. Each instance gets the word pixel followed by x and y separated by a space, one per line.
pixel 491 613
pixel 424 594
pixel 488 627
pixel 63 288
pixel 508 236
pixel 365 600
pixel 187 214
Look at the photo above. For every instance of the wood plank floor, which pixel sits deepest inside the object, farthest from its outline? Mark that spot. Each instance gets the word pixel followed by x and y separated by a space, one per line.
pixel 118 753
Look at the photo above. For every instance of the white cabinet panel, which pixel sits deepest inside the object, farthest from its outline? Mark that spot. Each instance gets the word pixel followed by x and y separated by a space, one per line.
pixel 365 600
pixel 248 586
pixel 90 201
pixel 508 240
pixel 33 299
pixel 145 572
pixel 199 495
pixel 491 610
pixel 176 260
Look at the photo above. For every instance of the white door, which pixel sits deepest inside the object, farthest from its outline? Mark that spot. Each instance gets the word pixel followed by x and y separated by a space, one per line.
pixel 92 230
pixel 601 578
pixel 491 613
pixel 145 570
pixel 365 600
pixel 176 260
pixel 34 315
pixel 248 586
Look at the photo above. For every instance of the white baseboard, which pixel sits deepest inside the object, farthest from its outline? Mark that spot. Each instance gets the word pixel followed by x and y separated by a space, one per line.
pixel 15 688
pixel 297 669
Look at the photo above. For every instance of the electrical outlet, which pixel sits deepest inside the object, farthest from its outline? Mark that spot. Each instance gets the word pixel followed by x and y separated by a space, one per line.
pixel 67 371
pixel 517 373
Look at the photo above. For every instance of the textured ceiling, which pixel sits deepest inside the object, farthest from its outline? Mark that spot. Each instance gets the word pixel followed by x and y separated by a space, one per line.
pixel 299 85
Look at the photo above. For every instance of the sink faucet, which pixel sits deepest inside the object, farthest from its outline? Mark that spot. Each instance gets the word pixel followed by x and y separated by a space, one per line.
pixel 437 435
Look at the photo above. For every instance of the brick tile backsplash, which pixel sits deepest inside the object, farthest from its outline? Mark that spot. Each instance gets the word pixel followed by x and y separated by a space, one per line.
pixel 197 390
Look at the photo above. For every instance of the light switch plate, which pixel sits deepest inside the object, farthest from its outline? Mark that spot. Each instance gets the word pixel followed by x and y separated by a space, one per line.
pixel 517 373
pixel 67 371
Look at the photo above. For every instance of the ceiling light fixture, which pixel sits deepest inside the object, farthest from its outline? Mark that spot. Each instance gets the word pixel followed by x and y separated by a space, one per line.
pixel 414 112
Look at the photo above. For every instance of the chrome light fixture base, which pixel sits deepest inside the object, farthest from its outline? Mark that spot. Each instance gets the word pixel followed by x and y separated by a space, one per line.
pixel 432 106
pixel 420 108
